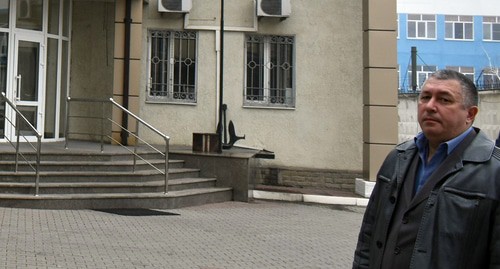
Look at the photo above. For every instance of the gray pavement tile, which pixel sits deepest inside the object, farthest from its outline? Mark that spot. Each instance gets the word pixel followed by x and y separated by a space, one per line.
pixel 261 234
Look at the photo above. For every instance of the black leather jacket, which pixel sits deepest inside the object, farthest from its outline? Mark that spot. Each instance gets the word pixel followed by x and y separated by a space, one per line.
pixel 460 227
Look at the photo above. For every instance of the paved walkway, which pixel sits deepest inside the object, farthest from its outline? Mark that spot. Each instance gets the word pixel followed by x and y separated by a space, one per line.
pixel 260 234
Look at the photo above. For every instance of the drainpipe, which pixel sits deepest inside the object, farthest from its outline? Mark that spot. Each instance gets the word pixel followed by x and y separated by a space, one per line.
pixel 221 75
pixel 126 70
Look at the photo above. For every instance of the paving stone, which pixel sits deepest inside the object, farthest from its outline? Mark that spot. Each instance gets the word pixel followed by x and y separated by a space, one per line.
pixel 260 234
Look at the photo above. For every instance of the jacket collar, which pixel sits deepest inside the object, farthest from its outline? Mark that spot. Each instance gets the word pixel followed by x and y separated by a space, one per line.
pixel 480 150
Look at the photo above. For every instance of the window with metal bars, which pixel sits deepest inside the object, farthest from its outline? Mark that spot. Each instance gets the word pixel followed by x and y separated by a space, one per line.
pixel 269 71
pixel 172 66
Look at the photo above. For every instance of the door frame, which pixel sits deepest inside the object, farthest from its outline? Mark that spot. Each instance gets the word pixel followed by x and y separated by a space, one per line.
pixel 18 36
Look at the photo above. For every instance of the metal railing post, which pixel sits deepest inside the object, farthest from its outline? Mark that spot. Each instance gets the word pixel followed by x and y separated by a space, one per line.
pixel 135 144
pixel 17 142
pixel 66 130
pixel 102 126
pixel 167 149
pixel 17 133
pixel 37 171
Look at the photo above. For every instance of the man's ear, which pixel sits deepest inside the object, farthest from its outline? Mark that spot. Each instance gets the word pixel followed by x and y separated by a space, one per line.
pixel 471 114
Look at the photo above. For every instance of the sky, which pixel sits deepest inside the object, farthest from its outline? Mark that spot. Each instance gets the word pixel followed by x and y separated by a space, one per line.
pixel 450 7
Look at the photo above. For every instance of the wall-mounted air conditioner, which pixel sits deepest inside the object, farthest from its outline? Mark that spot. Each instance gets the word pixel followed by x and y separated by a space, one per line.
pixel 273 8
pixel 181 6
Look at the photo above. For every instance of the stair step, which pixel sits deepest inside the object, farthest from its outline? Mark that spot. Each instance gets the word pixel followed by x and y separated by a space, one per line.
pixel 82 177
pixel 92 176
pixel 106 187
pixel 157 200
pixel 80 156
pixel 122 165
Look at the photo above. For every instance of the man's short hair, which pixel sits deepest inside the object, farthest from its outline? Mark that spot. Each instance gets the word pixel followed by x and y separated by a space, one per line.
pixel 469 90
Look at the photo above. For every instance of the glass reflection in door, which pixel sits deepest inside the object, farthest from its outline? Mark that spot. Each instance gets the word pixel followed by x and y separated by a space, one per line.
pixel 4 41
pixel 28 57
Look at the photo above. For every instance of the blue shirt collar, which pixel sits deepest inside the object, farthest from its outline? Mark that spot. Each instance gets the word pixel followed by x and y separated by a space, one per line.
pixel 421 141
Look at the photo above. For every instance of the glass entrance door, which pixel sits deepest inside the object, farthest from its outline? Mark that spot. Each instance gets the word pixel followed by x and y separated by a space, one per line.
pixel 28 82
pixel 34 66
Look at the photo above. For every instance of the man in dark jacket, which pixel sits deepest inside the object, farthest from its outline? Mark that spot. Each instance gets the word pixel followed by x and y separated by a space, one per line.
pixel 497 143
pixel 436 201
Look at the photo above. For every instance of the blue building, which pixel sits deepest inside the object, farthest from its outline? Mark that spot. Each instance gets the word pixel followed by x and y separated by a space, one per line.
pixel 464 36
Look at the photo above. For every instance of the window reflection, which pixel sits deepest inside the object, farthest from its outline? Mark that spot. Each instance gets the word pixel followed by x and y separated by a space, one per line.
pixel 29 14
pixel 4 41
pixel 54 17
pixel 4 14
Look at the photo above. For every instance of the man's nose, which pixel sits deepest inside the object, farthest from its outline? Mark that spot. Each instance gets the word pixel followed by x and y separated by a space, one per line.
pixel 431 104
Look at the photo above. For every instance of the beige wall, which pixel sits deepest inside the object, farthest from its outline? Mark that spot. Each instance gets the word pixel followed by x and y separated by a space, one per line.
pixel 324 131
pixel 91 73
pixel 346 111
pixel 92 49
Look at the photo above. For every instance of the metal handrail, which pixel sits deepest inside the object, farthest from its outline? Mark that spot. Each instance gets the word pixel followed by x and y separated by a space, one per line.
pixel 134 133
pixel 37 148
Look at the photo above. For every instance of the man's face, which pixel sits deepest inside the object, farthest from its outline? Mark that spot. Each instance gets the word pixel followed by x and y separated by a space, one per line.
pixel 441 112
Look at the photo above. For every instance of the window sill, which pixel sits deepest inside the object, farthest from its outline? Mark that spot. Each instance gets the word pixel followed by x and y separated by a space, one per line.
pixel 169 103
pixel 461 40
pixel 268 107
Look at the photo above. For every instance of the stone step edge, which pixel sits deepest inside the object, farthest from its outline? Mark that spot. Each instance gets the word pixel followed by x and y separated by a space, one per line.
pixel 154 183
pixel 91 163
pixel 96 173
pixel 155 195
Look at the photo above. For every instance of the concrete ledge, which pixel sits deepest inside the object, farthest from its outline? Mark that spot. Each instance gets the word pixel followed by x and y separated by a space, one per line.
pixel 364 187
pixel 309 198
pixel 281 196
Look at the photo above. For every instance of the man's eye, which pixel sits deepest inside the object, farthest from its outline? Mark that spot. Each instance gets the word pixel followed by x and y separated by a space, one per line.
pixel 425 97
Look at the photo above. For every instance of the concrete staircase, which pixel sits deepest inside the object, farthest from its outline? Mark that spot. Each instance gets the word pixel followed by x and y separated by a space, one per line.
pixel 79 178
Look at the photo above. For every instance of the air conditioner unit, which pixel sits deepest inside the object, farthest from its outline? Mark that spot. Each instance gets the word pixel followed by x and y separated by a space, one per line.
pixel 180 6
pixel 273 8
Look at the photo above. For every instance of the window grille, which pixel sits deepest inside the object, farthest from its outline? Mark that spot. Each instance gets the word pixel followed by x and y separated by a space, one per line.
pixel 172 66
pixel 269 71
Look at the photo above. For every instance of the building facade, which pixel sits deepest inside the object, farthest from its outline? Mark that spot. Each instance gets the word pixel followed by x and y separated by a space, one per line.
pixel 464 36
pixel 303 79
